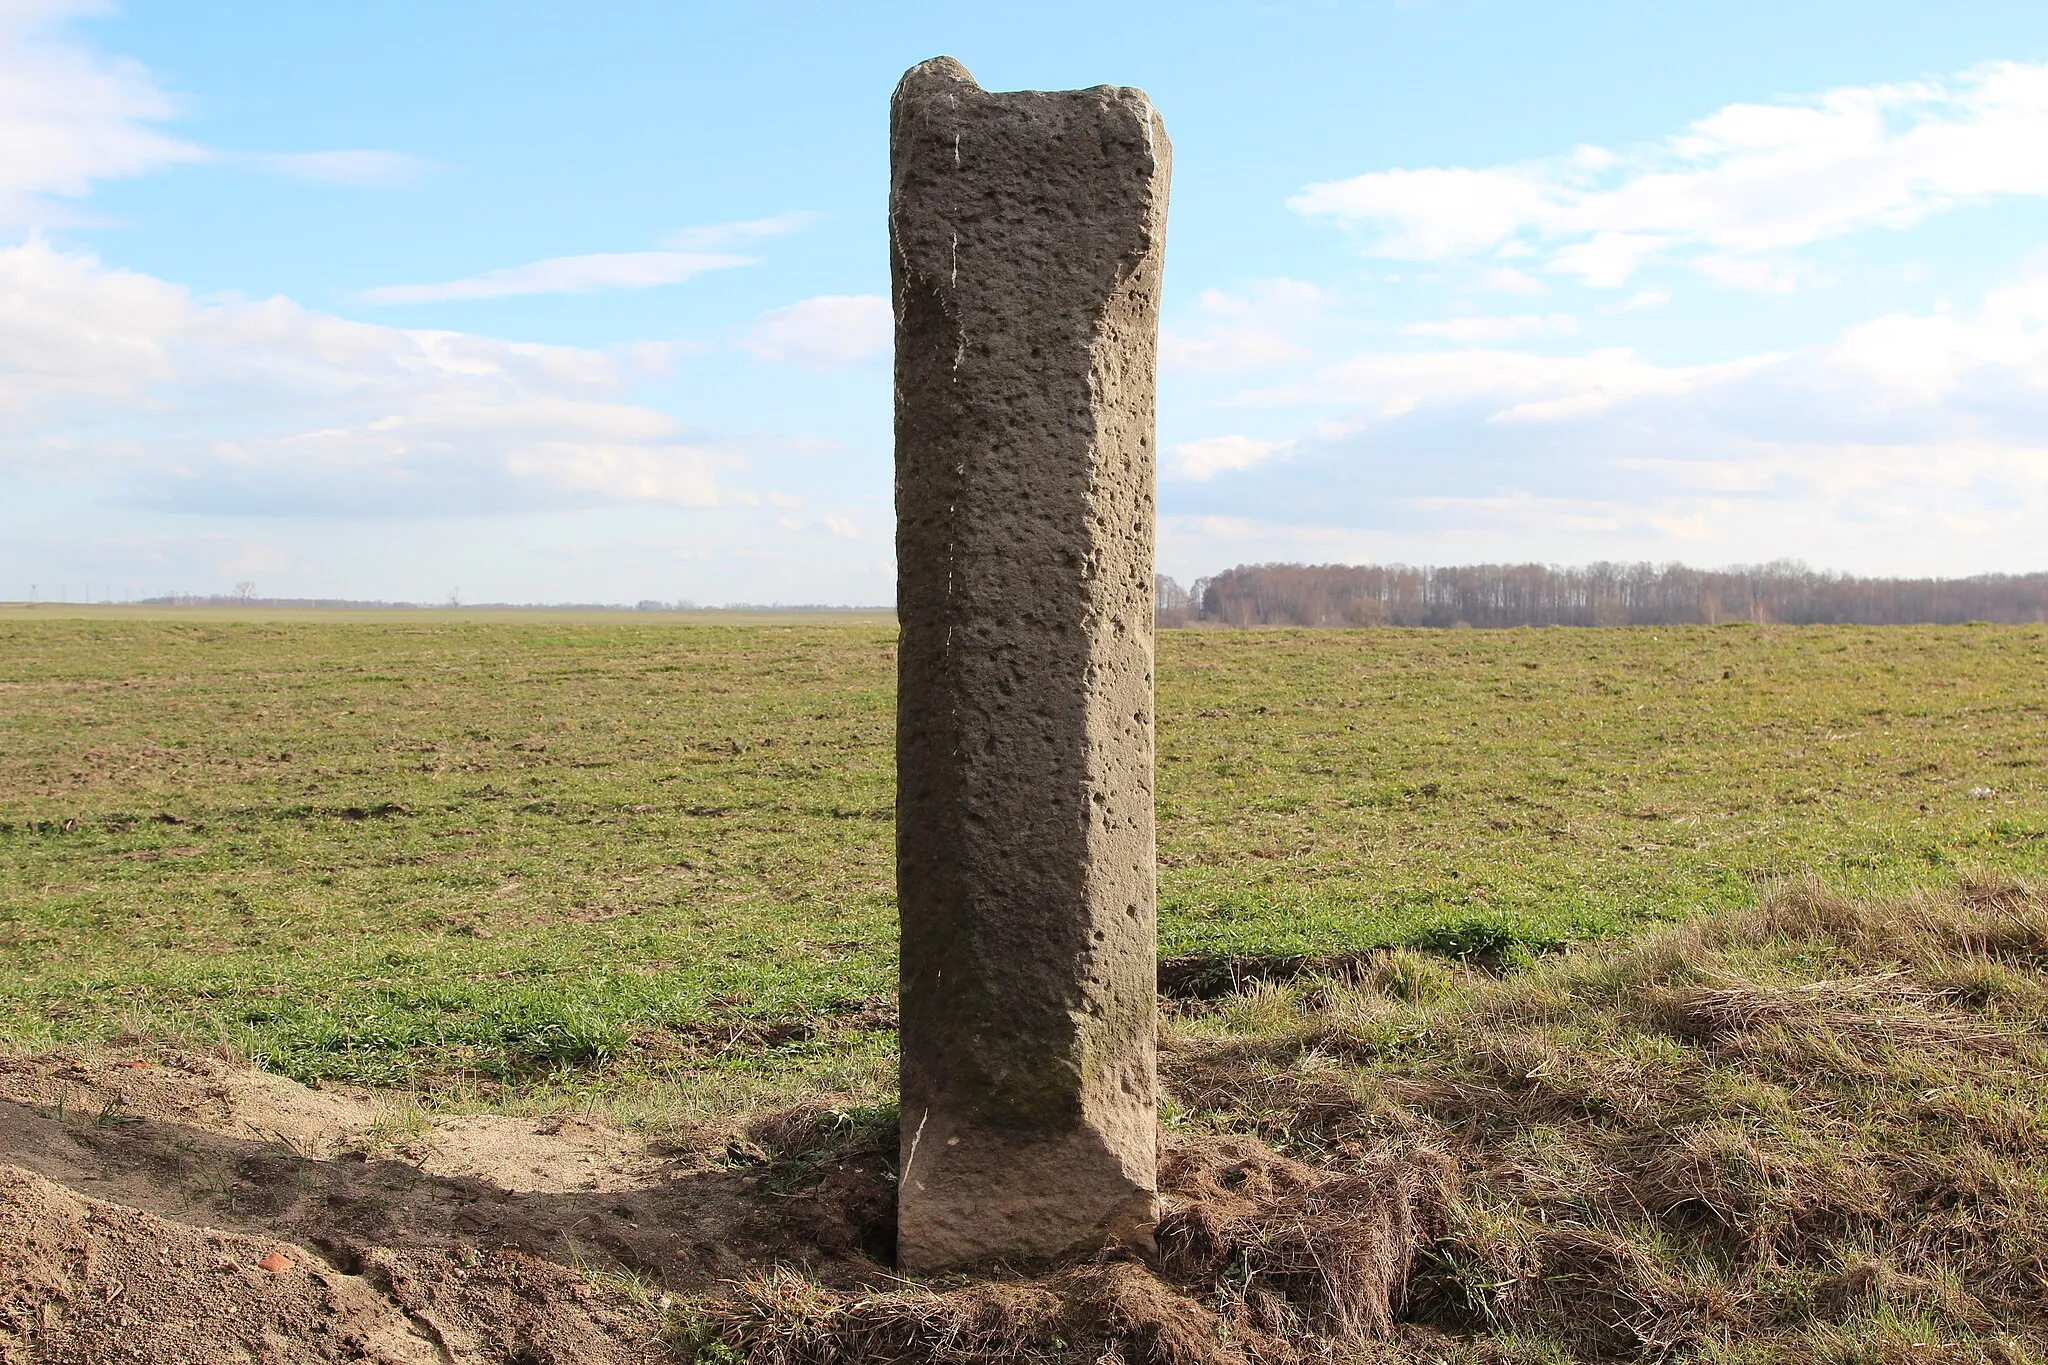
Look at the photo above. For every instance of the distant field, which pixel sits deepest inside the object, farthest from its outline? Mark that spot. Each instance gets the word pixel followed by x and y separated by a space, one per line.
pixel 395 848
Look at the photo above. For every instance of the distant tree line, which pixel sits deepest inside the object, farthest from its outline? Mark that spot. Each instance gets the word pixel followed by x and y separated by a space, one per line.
pixel 1500 595
pixel 240 598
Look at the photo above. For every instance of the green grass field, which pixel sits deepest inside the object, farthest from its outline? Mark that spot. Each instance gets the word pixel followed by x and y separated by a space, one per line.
pixel 427 848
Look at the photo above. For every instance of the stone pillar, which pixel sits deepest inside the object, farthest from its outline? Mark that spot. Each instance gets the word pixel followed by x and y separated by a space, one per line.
pixel 1025 233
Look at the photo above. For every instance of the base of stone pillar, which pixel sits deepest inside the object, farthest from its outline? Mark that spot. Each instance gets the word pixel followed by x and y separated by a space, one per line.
pixel 970 1196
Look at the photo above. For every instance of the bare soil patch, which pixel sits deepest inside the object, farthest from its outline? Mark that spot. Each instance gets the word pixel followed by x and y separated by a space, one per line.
pixel 141 1192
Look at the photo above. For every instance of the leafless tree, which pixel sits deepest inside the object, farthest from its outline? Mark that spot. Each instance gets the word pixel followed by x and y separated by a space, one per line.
pixel 1171 604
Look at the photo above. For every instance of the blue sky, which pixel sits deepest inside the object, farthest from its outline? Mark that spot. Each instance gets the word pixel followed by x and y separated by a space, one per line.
pixel 551 302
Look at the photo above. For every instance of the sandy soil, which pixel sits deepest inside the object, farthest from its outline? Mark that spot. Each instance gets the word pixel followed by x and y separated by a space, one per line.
pixel 166 1207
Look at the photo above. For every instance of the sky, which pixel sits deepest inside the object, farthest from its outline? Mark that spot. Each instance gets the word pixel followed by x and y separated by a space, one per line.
pixel 503 301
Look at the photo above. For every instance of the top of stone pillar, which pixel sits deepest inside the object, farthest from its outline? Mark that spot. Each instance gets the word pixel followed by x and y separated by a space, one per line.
pixel 1019 153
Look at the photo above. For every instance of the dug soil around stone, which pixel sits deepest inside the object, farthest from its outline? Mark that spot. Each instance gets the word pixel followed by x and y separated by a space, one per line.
pixel 174 1208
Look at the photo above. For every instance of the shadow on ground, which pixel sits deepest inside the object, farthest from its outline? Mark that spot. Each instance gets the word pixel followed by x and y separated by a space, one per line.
pixel 142 1197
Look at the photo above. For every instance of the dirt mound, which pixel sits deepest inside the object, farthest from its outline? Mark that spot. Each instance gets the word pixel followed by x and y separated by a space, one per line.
pixel 91 1281
pixel 189 1089
pixel 555 1154
pixel 144 1190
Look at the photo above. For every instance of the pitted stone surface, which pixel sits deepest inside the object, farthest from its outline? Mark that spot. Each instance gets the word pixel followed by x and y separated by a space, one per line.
pixel 1026 235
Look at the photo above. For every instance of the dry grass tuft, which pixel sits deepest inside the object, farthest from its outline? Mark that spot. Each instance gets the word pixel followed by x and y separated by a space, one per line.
pixel 1114 1311
pixel 1296 1245
pixel 785 1318
pixel 1814 1130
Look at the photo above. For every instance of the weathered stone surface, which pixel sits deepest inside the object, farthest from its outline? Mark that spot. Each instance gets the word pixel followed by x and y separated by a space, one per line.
pixel 1026 232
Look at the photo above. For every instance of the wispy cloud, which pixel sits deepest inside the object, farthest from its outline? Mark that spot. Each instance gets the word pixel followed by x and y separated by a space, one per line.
pixel 823 332
pixel 365 167
pixel 70 118
pixel 684 255
pixel 565 275
pixel 714 235
pixel 1499 385
pixel 1744 185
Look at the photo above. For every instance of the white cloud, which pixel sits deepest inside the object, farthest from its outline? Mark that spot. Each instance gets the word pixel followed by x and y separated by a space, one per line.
pixel 565 275
pixel 1205 459
pixel 1748 181
pixel 1997 353
pixel 1491 328
pixel 823 332
pixel 1913 442
pixel 1764 274
pixel 113 375
pixel 1503 279
pixel 619 473
pixel 1241 332
pixel 1607 259
pixel 1428 215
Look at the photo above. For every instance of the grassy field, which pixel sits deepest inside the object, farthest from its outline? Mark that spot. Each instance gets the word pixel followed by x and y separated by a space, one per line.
pixel 601 851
